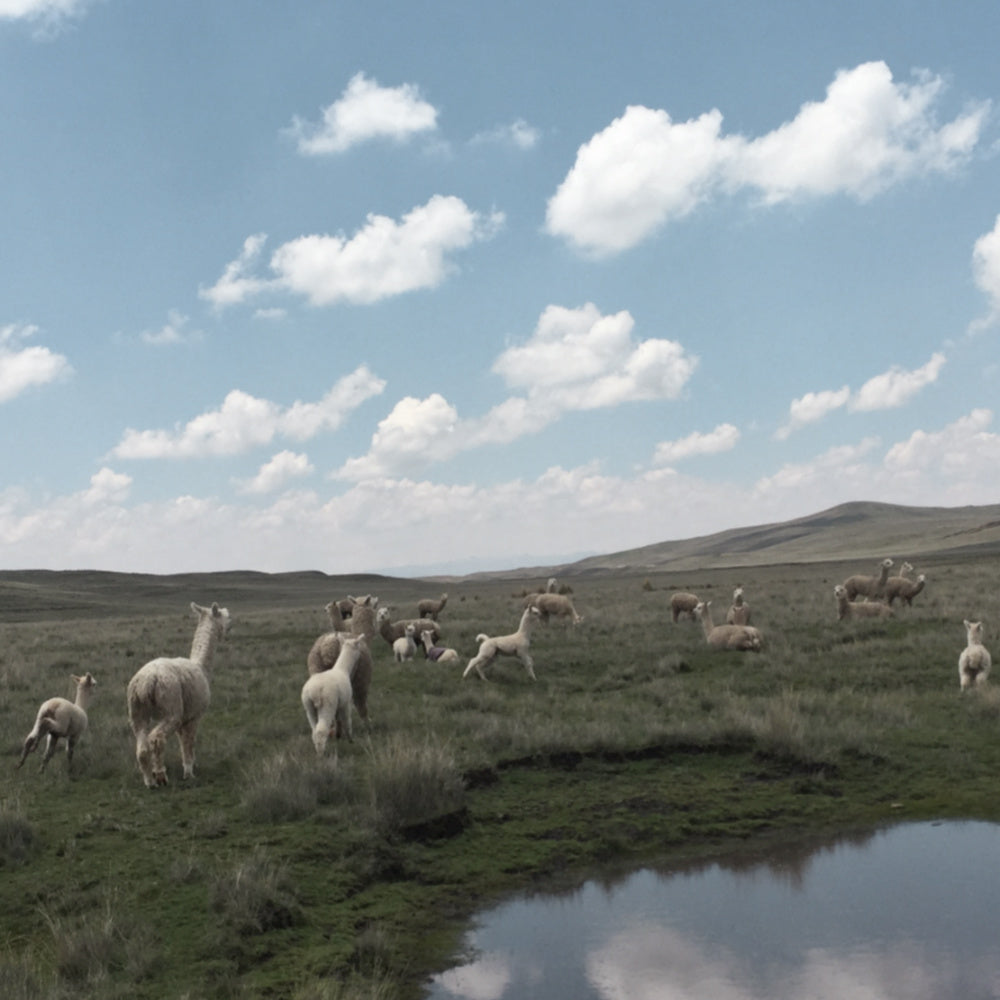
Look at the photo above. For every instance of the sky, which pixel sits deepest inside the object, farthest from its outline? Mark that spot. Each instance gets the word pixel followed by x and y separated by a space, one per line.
pixel 450 286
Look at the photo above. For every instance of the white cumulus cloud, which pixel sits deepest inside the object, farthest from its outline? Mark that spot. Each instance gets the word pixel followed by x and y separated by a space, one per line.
pixel 896 386
pixel 244 422
pixel 986 270
pixel 366 111
pixel 382 259
pixel 868 133
pixel 724 437
pixel 23 368
pixel 279 470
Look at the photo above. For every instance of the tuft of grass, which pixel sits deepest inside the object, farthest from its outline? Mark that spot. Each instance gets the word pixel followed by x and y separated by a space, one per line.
pixel 411 782
pixel 291 785
pixel 255 895
pixel 18 838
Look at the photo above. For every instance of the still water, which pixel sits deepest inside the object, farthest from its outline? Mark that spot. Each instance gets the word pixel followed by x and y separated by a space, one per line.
pixel 911 912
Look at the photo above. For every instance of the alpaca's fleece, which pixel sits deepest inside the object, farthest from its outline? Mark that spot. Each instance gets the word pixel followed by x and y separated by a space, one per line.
pixel 739 610
pixel 430 608
pixel 437 654
pixel 904 588
pixel 391 631
pixel 515 644
pixel 326 697
pixel 974 662
pixel 738 637
pixel 363 616
pixel 683 603
pixel 58 719
pixel 405 647
pixel 868 586
pixel 553 606
pixel 859 609
pixel 170 695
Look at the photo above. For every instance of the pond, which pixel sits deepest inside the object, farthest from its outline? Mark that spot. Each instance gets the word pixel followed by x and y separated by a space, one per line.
pixel 911 912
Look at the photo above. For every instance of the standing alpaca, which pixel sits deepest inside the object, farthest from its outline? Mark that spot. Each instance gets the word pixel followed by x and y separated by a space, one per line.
pixel 974 662
pixel 683 603
pixel 61 719
pixel 326 696
pixel 868 586
pixel 515 644
pixel 170 695
pixel 405 647
pixel 900 586
pixel 323 655
pixel 430 608
pixel 744 637
pixel 739 610
pixel 557 605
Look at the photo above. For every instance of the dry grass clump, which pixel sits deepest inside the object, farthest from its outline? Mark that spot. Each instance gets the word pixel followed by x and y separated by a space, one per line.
pixel 255 895
pixel 18 837
pixel 293 784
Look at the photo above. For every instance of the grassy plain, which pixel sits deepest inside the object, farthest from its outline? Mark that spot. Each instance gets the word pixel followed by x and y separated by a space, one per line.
pixel 273 874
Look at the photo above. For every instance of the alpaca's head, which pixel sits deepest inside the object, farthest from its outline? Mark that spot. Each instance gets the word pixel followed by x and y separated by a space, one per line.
pixel 973 632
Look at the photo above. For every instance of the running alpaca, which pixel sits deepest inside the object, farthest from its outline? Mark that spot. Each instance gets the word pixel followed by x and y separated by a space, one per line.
pixel 61 719
pixel 437 654
pixel 974 662
pixel 516 644
pixel 744 637
pixel 170 695
pixel 739 610
pixel 326 696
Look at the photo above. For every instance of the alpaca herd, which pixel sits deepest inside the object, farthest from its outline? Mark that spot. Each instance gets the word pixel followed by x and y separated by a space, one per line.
pixel 170 695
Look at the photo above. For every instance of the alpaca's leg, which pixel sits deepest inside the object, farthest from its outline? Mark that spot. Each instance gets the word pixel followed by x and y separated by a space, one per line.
pixel 321 733
pixel 186 737
pixel 157 746
pixel 143 756
pixel 529 665
pixel 476 663
pixel 345 726
pixel 51 741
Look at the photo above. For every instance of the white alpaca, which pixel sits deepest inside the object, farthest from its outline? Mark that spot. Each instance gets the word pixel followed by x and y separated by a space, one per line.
pixel 743 637
pixel 405 647
pixel 170 695
pixel 515 644
pixel 391 631
pixel 739 610
pixel 868 586
pixel 974 662
pixel 326 697
pixel 683 603
pixel 437 654
pixel 61 719
pixel 859 609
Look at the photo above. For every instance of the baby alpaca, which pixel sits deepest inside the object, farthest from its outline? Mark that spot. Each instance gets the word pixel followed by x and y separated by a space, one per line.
pixel 61 719
pixel 405 647
pixel 326 696
pixel 974 662
pixel 437 654
pixel 743 637
pixel 515 644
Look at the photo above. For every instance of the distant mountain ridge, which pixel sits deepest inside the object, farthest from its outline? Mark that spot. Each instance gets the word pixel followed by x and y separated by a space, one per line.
pixel 857 530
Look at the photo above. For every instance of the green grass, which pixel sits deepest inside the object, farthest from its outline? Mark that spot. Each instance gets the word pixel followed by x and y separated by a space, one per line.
pixel 275 873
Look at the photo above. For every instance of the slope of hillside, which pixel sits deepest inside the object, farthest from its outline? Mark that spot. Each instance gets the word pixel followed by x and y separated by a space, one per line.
pixel 860 530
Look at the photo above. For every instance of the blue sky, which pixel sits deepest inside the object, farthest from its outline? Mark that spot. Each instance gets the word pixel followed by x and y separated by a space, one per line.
pixel 451 286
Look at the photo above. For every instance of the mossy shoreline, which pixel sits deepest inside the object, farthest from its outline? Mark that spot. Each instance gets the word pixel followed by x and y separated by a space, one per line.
pixel 275 874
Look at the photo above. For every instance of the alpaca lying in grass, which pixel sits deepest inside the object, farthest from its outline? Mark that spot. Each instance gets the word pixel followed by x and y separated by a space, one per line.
pixel 859 609
pixel 743 637
pixel 515 644
pixel 974 662
pixel 437 654
pixel 170 695
pixel 61 719
pixel 326 697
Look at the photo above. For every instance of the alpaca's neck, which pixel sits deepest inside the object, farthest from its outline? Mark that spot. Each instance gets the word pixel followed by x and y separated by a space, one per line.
pixel 206 636
pixel 83 697
pixel 706 620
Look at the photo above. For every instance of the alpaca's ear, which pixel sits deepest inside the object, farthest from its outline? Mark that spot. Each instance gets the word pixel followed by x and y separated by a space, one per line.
pixel 195 608
pixel 215 609
pixel 76 680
